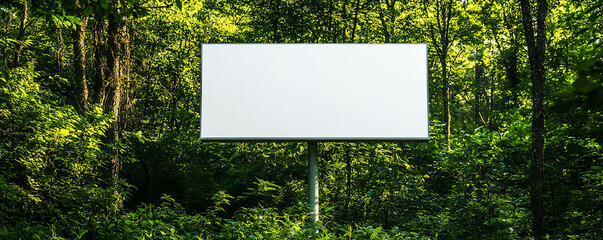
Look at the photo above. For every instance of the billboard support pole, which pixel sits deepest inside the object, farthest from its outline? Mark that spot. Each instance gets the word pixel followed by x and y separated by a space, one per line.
pixel 313 184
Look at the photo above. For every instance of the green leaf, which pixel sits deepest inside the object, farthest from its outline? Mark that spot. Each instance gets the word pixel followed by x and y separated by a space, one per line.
pixel 140 136
pixel 56 19
pixel 179 4
pixel 4 73
pixel 375 232
pixel 74 19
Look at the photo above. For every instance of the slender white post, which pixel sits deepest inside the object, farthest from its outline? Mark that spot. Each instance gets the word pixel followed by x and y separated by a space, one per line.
pixel 313 184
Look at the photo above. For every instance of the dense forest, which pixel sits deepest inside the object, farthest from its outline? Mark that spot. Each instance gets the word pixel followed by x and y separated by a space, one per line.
pixel 99 123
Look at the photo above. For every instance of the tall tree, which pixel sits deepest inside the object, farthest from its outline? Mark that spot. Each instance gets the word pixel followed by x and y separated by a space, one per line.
pixel 19 43
pixel 100 59
pixel 79 60
pixel 117 43
pixel 535 35
pixel 442 40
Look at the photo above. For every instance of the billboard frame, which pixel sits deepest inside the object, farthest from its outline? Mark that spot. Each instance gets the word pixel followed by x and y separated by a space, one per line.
pixel 314 139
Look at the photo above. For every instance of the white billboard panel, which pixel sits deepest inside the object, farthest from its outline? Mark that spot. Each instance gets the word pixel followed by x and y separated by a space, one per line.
pixel 307 92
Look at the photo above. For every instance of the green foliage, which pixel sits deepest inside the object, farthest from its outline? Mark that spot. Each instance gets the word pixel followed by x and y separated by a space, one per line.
pixel 51 161
pixel 55 167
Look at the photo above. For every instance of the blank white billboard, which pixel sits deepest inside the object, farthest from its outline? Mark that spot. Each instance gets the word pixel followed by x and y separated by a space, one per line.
pixel 314 92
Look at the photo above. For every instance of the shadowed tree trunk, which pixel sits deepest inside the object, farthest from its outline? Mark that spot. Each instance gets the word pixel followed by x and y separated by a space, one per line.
pixel 355 23
pixel 23 26
pixel 100 61
pixel 116 75
pixel 79 61
pixel 536 53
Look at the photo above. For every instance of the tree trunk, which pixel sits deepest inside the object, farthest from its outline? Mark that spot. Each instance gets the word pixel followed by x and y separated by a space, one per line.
pixel 8 23
pixel 344 20
pixel 100 61
pixel 444 37
pixel 536 53
pixel 384 29
pixel 115 42
pixel 60 54
pixel 356 8
pixel 443 17
pixel 446 95
pixel 79 60
pixel 22 28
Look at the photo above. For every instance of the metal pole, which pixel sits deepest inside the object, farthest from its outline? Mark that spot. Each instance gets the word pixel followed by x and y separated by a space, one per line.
pixel 313 184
